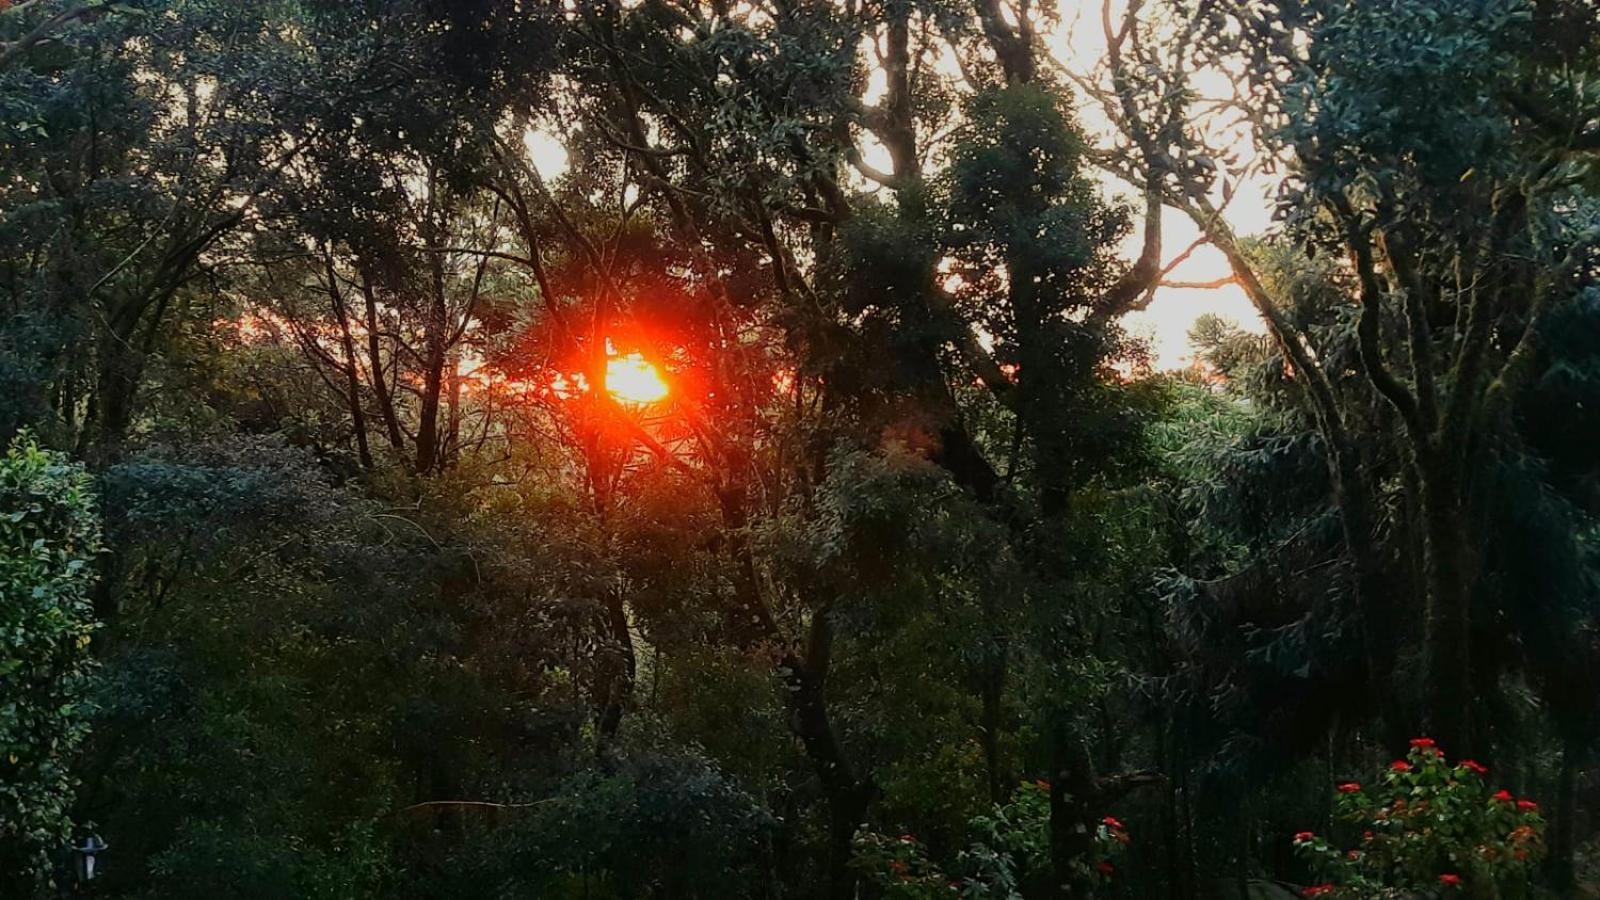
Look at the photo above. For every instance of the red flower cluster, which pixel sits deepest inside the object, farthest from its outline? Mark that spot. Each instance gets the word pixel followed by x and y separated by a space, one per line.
pixel 1427 747
pixel 1111 822
pixel 1407 807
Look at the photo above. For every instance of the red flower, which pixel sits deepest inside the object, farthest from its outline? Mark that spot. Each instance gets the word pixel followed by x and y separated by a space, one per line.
pixel 1474 766
pixel 1300 837
pixel 1400 765
pixel 1106 869
pixel 1042 784
pixel 898 867
pixel 1503 796
pixel 1317 891
pixel 1422 743
pixel 1350 787
pixel 1527 806
pixel 1353 854
pixel 1450 880
pixel 1367 835
pixel 1111 822
pixel 908 839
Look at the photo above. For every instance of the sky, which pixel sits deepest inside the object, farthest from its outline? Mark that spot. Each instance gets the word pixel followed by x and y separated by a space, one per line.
pixel 1078 43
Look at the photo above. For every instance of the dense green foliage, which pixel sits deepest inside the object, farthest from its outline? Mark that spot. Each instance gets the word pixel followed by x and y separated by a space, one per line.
pixel 766 498
pixel 49 538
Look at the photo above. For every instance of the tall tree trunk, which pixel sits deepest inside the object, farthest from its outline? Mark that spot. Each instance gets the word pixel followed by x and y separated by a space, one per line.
pixel 428 418
pixel 1166 753
pixel 898 129
pixel 805 671
pixel 452 432
pixel 358 418
pixel 377 370
pixel 993 696
pixel 1449 561
pixel 1246 824
pixel 435 337
pixel 1078 800
pixel 619 668
pixel 1072 812
pixel 434 357
pixel 1353 500
pixel 1186 814
pixel 1574 751
pixel 352 371
pixel 846 794
pixel 116 387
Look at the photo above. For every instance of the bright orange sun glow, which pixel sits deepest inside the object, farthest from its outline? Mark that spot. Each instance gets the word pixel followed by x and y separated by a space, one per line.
pixel 632 379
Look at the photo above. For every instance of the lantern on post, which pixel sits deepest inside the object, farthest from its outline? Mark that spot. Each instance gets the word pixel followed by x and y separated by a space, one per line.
pixel 91 846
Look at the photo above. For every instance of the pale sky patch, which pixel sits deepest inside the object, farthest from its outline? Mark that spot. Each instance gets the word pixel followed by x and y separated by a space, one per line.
pixel 546 152
pixel 1079 43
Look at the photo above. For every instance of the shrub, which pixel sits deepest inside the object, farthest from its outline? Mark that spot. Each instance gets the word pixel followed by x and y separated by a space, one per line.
pixel 49 537
pixel 1009 855
pixel 1428 827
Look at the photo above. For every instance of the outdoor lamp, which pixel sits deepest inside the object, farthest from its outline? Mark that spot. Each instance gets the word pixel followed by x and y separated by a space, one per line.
pixel 86 853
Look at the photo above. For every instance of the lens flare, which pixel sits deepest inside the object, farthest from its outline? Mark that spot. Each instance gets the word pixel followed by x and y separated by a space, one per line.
pixel 632 379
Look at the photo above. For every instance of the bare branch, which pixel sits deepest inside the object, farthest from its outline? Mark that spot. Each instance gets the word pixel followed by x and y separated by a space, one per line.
pixel 1140 280
pixel 1212 285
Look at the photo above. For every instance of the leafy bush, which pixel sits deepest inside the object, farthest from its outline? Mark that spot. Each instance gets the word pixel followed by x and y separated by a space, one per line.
pixel 648 825
pixel 900 868
pixel 49 537
pixel 1429 827
pixel 1008 857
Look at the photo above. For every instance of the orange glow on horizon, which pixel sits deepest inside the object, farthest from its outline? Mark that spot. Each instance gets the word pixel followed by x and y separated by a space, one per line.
pixel 632 379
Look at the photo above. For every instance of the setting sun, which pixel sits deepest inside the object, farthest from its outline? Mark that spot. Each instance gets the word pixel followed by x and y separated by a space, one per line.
pixel 632 379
